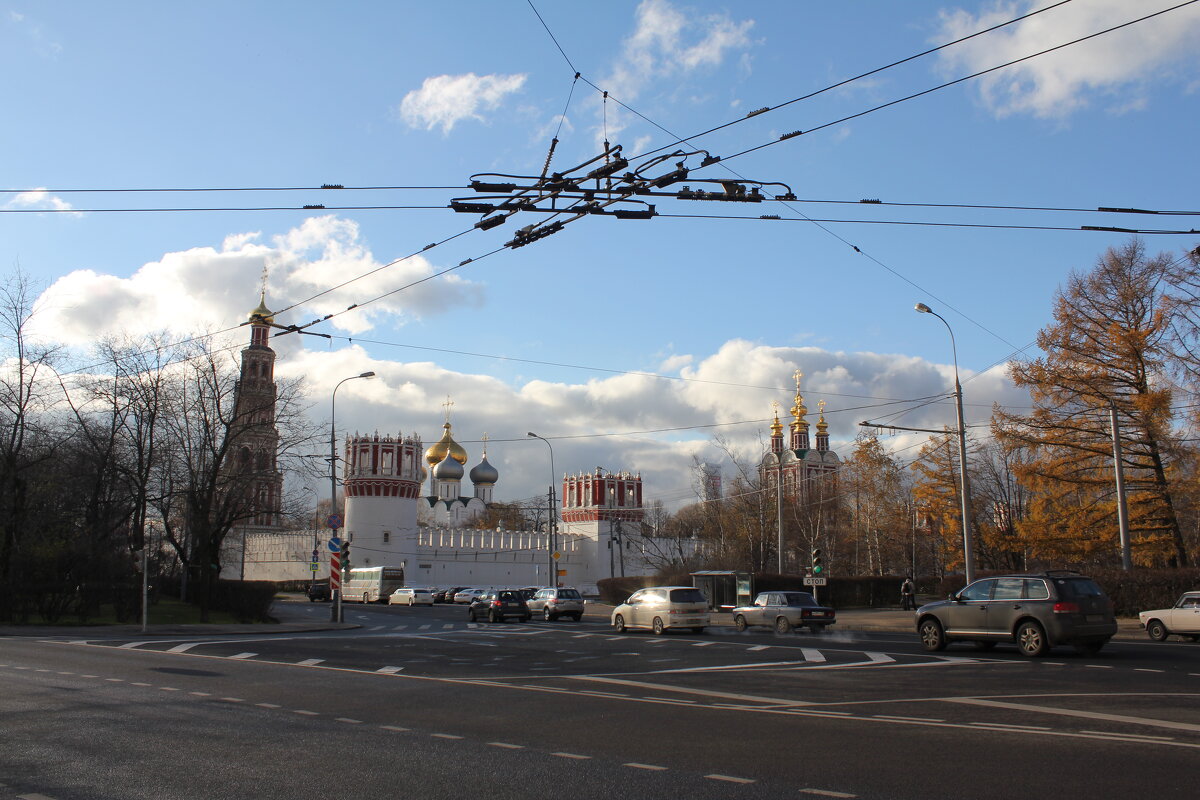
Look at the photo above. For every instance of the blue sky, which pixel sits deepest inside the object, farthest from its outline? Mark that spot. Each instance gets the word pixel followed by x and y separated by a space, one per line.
pixel 371 94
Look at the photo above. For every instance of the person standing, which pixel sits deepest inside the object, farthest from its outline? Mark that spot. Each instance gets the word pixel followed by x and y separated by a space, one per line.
pixel 908 594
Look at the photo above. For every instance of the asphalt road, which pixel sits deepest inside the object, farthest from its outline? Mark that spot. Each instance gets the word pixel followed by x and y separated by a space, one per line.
pixel 420 703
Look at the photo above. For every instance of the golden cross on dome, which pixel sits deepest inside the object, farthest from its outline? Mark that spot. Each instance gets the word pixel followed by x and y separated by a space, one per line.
pixel 798 375
pixel 485 441
pixel 448 405
pixel 821 405
pixel 775 405
pixel 263 281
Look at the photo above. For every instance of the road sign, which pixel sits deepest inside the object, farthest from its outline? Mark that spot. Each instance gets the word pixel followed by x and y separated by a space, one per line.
pixel 313 566
pixel 556 555
pixel 334 521
pixel 815 581
pixel 335 545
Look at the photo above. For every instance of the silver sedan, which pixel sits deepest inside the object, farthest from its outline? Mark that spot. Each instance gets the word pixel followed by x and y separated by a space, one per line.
pixel 785 611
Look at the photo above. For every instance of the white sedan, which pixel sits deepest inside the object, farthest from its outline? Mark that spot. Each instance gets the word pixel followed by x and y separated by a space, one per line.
pixel 1183 619
pixel 411 596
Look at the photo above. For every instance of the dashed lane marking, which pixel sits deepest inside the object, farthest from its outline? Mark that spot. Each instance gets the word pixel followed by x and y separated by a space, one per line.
pixel 906 719
pixel 826 793
pixel 651 767
pixel 310 662
pixel 575 756
pixel 267 705
pixel 34 796
pixel 305 713
pixel 728 778
pixel 395 728
pixel 389 670
pixel 773 701
pixel 507 745
pixel 240 656
pixel 445 736
pixel 348 721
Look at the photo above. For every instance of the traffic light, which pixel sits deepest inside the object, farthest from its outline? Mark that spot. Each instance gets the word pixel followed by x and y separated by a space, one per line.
pixel 345 556
pixel 817 567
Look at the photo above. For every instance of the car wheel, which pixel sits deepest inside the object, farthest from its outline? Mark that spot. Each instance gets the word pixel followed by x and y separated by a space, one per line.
pixel 933 638
pixel 546 615
pixel 410 602
pixel 577 617
pixel 492 617
pixel 619 624
pixel 658 626
pixel 1088 648
pixel 782 626
pixel 739 622
pixel 1157 631
pixel 985 645
pixel 1031 640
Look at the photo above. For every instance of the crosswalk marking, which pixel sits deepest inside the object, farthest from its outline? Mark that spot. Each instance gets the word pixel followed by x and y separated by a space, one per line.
pixel 309 662
pixel 244 655
pixel 811 654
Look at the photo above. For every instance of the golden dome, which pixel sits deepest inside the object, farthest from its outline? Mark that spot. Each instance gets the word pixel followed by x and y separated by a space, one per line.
pixel 438 451
pixel 776 426
pixel 262 313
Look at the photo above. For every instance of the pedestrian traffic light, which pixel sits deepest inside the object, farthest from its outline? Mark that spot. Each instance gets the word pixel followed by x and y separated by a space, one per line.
pixel 816 561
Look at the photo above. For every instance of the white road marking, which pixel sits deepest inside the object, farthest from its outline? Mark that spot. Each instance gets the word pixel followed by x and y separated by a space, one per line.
pixel 267 705
pixel 201 694
pixel 376 627
pixel 389 670
pixel 444 736
pixel 575 756
pixel 1144 669
pixel 310 662
pixel 168 688
pixel 305 713
pixel 424 627
pixel 775 701
pixel 811 654
pixel 1005 725
pixel 348 721
pixel 34 796
pixel 183 648
pixel 138 683
pixel 402 627
pixel 728 778
pixel 907 719
pixel 448 626
pixel 233 699
pixel 110 680
pixel 880 658
pixel 507 746
pixel 1071 712
pixel 244 655
pixel 652 767
pixel 758 647
pixel 701 644
pixel 1132 736
pixel 396 728
pixel 826 793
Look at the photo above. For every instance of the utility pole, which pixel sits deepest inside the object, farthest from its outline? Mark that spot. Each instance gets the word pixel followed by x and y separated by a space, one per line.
pixel 1122 505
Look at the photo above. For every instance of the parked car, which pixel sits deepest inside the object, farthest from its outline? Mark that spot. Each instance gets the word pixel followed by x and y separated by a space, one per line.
pixel 784 611
pixel 411 596
pixel 550 604
pixel 1037 611
pixel 317 591
pixel 660 608
pixel 447 595
pixel 1183 618
pixel 497 605
pixel 529 591
pixel 468 595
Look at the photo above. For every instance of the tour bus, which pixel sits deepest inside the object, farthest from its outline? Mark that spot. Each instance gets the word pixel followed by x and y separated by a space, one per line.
pixel 372 584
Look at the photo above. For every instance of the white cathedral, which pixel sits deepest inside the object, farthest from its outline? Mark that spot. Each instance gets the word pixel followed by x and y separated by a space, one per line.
pixel 435 537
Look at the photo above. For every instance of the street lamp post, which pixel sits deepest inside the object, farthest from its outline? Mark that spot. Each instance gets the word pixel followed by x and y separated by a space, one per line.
pixel 335 598
pixel 965 489
pixel 552 525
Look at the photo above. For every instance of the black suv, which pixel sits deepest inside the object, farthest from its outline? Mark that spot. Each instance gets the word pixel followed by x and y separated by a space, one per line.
pixel 496 604
pixel 1037 611
pixel 317 591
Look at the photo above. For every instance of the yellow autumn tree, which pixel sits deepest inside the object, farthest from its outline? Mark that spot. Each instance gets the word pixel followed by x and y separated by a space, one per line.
pixel 1109 346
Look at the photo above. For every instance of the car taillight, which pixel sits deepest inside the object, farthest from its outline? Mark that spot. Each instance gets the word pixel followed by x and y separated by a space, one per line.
pixel 496 603
pixel 1066 608
pixel 806 613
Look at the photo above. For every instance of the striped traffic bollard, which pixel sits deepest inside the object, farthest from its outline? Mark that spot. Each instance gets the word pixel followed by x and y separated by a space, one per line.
pixel 335 585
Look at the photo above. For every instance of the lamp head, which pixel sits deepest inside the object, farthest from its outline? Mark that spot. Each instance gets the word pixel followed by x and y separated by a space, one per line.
pixel 367 375
pixel 531 433
pixel 924 309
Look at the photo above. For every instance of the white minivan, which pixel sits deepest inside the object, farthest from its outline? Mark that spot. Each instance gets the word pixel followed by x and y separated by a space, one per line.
pixel 660 608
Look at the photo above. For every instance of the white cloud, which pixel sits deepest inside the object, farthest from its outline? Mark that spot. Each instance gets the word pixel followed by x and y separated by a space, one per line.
pixel 446 100
pixel 668 42
pixel 1114 66
pixel 629 422
pixel 206 288
pixel 39 199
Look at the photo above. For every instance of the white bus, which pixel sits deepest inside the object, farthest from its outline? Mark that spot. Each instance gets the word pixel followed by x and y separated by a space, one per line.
pixel 372 584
